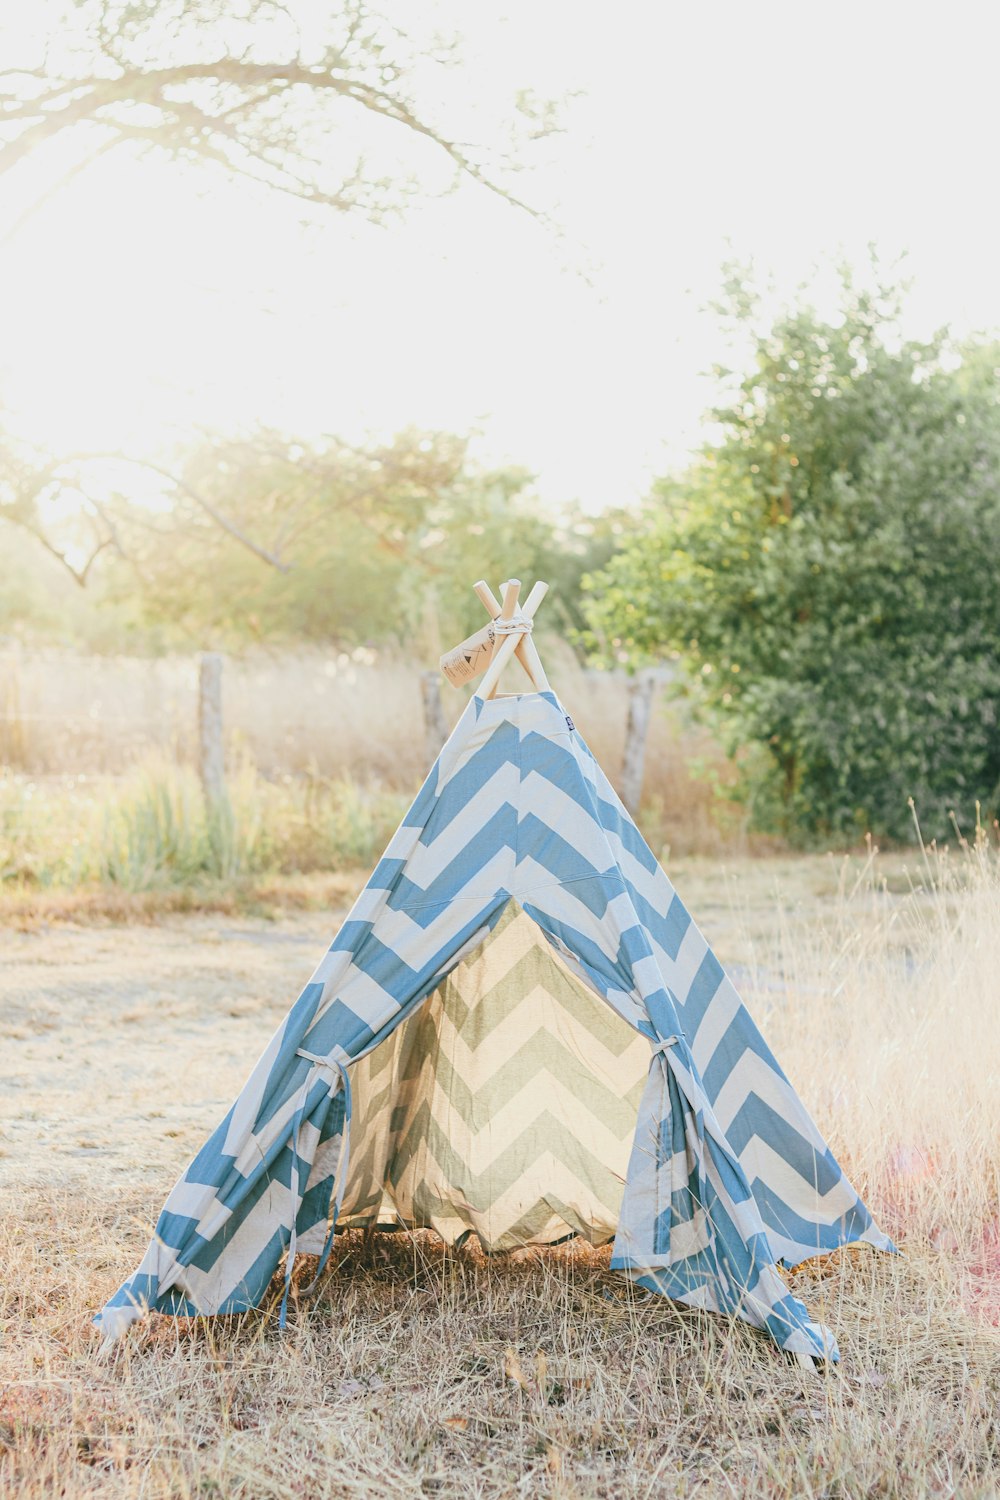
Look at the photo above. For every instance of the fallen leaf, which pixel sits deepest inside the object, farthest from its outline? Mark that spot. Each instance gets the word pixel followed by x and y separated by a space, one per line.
pixel 512 1369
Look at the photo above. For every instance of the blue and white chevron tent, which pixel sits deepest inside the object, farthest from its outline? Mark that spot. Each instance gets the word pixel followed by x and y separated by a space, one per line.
pixel 725 1175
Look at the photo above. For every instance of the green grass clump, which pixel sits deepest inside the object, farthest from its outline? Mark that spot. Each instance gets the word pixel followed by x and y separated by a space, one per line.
pixel 154 829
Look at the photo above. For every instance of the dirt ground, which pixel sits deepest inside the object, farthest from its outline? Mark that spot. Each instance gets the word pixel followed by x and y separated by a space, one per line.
pixel 122 1047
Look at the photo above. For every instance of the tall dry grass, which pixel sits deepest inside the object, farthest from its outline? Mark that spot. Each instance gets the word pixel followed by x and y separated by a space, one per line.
pixel 329 713
pixel 97 756
pixel 342 714
pixel 416 1373
pixel 888 1010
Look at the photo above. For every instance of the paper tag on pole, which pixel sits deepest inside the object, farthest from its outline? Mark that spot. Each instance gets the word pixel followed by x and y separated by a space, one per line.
pixel 470 658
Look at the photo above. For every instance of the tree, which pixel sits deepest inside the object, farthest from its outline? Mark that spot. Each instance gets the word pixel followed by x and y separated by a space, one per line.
pixel 32 484
pixel 355 544
pixel 308 100
pixel 826 572
pixel 334 106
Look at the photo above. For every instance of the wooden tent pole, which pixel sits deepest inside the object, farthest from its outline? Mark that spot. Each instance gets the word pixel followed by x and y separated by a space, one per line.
pixel 527 651
pixel 511 593
pixel 508 643
pixel 492 605
pixel 511 588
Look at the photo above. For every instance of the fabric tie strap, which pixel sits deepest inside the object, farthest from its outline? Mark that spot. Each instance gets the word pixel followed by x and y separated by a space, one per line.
pixel 518 624
pixel 339 1074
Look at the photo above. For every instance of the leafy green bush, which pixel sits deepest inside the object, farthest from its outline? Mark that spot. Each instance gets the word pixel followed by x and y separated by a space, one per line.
pixel 827 573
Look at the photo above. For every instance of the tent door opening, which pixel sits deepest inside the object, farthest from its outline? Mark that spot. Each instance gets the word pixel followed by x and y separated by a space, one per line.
pixel 505 1106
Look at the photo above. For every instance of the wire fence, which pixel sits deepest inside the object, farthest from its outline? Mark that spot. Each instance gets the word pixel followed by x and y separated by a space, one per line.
pixel 301 714
pixel 330 728
pixel 309 714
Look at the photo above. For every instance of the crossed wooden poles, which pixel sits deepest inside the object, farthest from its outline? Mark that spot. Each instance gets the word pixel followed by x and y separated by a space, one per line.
pixel 501 643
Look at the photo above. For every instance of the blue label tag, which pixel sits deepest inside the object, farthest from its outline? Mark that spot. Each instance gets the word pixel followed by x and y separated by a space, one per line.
pixel 569 723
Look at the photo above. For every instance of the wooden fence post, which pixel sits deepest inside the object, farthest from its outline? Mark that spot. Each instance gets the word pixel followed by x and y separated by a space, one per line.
pixel 640 704
pixel 13 735
pixel 211 750
pixel 435 724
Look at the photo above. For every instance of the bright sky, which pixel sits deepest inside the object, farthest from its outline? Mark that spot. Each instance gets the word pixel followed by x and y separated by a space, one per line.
pixel 147 299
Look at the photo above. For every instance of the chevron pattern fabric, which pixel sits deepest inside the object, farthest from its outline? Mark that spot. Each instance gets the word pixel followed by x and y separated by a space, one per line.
pixel 727 1177
pixel 506 1106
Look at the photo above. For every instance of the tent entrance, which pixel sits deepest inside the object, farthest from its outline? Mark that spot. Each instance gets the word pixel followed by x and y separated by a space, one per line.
pixel 505 1105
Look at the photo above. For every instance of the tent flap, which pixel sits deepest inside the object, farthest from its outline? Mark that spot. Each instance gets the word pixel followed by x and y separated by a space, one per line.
pixel 689 1225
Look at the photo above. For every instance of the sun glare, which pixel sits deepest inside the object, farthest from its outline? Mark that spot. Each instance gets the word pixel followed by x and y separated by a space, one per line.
pixel 146 301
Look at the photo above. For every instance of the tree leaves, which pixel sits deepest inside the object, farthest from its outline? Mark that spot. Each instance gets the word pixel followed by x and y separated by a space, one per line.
pixel 826 573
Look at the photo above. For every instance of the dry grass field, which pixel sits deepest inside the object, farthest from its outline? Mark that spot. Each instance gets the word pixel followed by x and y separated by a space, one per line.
pixel 415 1373
pixel 324 750
pixel 325 713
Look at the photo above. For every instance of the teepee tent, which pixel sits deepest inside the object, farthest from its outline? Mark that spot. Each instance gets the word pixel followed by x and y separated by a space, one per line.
pixel 518 1032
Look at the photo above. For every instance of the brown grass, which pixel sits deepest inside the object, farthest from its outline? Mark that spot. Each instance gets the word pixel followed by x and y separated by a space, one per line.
pixel 419 1373
pixel 414 1372
pixel 30 908
pixel 71 725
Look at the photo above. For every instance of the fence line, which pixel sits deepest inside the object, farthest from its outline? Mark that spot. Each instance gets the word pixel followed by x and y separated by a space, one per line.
pixel 365 724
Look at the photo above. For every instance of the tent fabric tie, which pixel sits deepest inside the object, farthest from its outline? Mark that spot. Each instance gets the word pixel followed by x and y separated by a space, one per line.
pixel 337 1069
pixel 666 1042
pixel 518 624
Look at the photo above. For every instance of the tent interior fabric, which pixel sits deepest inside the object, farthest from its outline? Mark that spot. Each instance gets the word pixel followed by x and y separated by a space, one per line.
pixel 505 1106
pixel 520 1033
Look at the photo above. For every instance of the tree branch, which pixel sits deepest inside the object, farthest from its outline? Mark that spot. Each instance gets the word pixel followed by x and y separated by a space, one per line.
pixel 78 575
pixel 188 126
pixel 221 520
pixel 57 187
pixel 28 488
